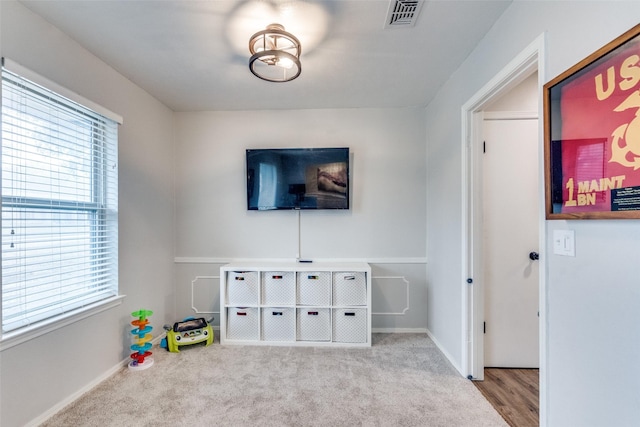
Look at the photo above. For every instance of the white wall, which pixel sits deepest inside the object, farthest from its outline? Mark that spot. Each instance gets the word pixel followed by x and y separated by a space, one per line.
pixel 522 98
pixel 385 224
pixel 41 373
pixel 592 299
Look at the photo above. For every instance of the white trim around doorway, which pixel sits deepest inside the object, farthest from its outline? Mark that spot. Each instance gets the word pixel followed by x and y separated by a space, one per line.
pixel 530 60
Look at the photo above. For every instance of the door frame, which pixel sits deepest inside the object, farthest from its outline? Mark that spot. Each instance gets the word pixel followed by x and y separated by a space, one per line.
pixel 530 60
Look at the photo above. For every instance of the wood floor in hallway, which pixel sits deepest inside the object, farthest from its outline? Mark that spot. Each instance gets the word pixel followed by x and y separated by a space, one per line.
pixel 514 393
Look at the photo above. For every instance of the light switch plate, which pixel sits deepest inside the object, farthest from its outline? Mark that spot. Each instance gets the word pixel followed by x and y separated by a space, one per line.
pixel 564 242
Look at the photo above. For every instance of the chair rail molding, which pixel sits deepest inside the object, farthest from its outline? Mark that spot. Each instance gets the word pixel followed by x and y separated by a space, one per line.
pixel 215 260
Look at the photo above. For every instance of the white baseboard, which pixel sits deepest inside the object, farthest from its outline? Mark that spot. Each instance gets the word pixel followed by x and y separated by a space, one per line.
pixel 446 353
pixel 399 330
pixel 73 397
pixel 373 330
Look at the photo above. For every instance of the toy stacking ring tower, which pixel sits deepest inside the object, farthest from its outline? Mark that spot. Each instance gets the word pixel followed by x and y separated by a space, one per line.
pixel 141 356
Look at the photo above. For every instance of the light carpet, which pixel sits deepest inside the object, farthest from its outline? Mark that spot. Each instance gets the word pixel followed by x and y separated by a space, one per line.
pixel 402 380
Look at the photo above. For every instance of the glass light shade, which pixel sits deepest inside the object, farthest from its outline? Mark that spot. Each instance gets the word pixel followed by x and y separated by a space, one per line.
pixel 275 54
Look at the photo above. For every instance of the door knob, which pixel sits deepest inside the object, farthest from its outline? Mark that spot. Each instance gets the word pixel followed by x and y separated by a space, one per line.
pixel 534 256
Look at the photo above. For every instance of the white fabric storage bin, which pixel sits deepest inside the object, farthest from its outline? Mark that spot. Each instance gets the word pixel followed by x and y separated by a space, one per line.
pixel 350 325
pixel 278 288
pixel 243 323
pixel 349 288
pixel 314 324
pixel 313 288
pixel 278 324
pixel 242 288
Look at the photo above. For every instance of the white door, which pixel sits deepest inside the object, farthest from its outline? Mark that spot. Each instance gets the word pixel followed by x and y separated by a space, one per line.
pixel 510 222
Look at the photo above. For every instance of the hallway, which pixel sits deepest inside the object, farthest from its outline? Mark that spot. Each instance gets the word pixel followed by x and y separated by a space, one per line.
pixel 514 393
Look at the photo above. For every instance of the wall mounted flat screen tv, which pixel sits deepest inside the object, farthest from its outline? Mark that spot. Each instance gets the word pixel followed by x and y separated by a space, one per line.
pixel 298 178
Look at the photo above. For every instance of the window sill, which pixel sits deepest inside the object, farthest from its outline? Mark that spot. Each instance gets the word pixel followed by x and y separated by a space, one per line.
pixel 12 339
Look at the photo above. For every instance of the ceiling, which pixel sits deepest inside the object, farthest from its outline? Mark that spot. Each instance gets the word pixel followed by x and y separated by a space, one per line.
pixel 193 55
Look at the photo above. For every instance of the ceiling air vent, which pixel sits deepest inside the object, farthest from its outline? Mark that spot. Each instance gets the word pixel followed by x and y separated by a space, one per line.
pixel 403 13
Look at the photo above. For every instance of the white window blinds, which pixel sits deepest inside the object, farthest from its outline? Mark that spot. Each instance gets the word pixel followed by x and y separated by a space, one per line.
pixel 59 205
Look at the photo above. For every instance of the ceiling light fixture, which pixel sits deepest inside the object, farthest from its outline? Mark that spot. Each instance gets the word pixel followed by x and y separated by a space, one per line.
pixel 275 54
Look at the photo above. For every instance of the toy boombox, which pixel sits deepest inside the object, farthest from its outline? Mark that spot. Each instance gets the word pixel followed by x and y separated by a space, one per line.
pixel 187 332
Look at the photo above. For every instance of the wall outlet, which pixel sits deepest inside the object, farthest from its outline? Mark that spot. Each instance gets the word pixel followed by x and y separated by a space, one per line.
pixel 564 242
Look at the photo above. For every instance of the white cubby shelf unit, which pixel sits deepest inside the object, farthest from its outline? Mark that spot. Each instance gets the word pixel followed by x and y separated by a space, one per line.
pixel 296 304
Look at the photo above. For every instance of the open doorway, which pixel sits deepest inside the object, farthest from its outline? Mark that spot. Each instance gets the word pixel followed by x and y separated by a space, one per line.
pixel 509 254
pixel 522 71
pixel 510 209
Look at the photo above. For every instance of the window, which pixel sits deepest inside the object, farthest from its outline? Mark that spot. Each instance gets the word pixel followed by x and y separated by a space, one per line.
pixel 59 206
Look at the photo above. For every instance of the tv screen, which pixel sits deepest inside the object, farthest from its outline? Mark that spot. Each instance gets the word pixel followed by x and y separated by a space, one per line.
pixel 298 178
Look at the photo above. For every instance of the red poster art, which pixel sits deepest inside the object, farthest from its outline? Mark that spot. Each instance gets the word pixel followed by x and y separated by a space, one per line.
pixel 592 115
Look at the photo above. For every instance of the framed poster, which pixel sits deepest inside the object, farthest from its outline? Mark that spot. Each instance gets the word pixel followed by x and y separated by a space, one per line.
pixel 592 135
